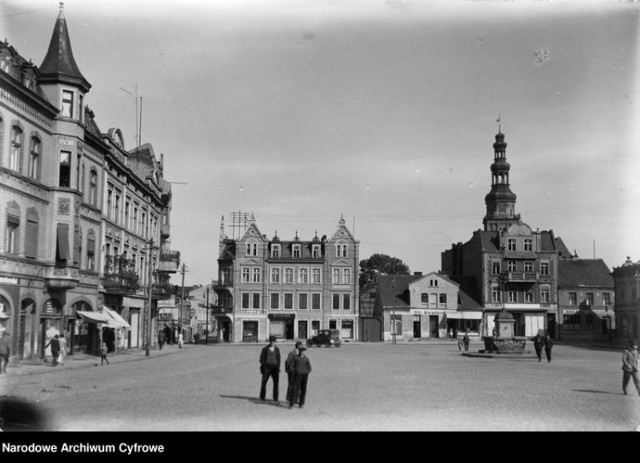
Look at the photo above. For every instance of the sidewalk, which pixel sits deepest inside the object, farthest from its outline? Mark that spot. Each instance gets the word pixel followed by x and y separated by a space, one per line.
pixel 82 360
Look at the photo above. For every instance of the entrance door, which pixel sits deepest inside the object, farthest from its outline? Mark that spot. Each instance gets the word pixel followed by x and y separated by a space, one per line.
pixel 134 332
pixel 302 329
pixel 433 326
pixel 288 329
pixel 551 325
pixel 417 329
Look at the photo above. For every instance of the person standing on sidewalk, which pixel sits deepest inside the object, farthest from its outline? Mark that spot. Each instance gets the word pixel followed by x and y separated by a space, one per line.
pixel 270 368
pixel 466 340
pixel 289 368
pixel 630 367
pixel 302 368
pixel 161 339
pixel 180 339
pixel 5 352
pixel 63 348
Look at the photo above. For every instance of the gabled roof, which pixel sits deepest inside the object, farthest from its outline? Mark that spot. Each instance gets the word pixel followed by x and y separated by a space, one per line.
pixel 401 291
pixel 592 273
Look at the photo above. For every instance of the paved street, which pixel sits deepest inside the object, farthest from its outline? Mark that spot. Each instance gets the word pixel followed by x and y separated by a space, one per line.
pixel 357 387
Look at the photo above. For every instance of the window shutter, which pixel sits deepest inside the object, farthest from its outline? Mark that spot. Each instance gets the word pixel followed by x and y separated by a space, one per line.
pixel 31 242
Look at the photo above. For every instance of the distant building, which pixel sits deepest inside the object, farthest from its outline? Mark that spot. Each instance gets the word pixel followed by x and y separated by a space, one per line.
pixel 289 289
pixel 417 306
pixel 78 212
pixel 627 299
pixel 586 300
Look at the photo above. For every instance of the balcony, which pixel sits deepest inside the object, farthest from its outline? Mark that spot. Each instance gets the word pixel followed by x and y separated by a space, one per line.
pixel 522 276
pixel 224 283
pixel 62 278
pixel 169 261
pixel 120 276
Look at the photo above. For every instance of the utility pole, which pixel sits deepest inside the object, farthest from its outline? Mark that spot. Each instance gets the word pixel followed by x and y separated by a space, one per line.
pixel 181 298
pixel 393 313
pixel 207 329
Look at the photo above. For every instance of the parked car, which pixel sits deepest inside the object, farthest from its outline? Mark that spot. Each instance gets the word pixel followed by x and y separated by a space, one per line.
pixel 325 338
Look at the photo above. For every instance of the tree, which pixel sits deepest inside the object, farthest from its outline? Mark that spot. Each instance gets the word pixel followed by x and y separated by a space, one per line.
pixel 380 264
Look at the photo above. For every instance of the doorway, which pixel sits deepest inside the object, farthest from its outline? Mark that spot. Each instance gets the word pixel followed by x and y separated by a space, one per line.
pixel 417 328
pixel 302 329
pixel 433 326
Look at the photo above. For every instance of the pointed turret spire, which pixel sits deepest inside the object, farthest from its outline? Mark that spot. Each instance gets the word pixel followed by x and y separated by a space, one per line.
pixel 501 200
pixel 58 64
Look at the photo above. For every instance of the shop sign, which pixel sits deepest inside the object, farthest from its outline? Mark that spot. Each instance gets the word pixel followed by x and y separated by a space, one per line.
pixel 165 317
pixel 9 281
pixel 569 311
pixel 425 312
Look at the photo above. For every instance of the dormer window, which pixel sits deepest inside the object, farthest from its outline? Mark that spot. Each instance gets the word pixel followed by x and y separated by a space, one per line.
pixel 511 244
pixel 528 244
pixel 252 248
pixel 315 251
pixel 341 250
pixel 296 250
pixel 275 250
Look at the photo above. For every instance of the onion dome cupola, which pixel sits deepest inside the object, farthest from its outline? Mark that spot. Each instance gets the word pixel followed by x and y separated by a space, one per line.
pixel 58 65
pixel 500 201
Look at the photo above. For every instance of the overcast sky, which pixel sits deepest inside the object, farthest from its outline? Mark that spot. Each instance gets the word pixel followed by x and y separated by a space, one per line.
pixel 382 111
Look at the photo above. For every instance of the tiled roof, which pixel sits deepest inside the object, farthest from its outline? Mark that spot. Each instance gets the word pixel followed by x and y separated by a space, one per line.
pixel 584 272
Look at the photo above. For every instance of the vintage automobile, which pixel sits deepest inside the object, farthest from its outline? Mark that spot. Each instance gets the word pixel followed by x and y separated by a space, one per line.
pixel 325 338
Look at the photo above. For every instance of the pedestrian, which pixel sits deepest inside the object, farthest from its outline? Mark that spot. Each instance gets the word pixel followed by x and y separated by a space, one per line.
pixel 270 368
pixel 180 340
pixel 54 343
pixel 302 368
pixel 103 354
pixel 63 348
pixel 5 352
pixel 630 367
pixel 548 345
pixel 450 333
pixel 460 344
pixel 466 340
pixel 161 339
pixel 538 344
pixel 196 338
pixel 289 368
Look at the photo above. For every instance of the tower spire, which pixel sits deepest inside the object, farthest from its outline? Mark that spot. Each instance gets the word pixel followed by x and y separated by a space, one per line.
pixel 501 200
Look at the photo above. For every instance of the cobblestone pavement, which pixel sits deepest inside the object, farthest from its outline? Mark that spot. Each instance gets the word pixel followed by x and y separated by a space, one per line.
pixel 357 387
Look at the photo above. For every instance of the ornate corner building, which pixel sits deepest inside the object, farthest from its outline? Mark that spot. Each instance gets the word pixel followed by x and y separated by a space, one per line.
pixel 288 289
pixel 85 223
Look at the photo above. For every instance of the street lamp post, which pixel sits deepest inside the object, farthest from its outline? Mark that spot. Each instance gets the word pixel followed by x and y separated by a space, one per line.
pixel 393 310
pixel 150 294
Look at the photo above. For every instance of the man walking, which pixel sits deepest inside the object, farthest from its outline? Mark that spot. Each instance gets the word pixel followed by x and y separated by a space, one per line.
pixel 289 368
pixel 630 367
pixel 55 349
pixel 302 368
pixel 5 352
pixel 270 368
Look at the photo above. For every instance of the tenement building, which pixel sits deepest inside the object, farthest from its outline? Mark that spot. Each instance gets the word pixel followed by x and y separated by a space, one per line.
pixel 85 223
pixel 509 265
pixel 287 288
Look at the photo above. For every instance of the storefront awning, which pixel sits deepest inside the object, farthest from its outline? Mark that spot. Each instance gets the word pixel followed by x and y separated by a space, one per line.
pixel 116 321
pixel 93 317
pixel 465 315
pixel 273 316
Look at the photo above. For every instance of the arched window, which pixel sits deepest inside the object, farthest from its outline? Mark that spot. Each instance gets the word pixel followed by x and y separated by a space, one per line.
pixel 93 188
pixel 35 149
pixel 16 148
pixel 12 228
